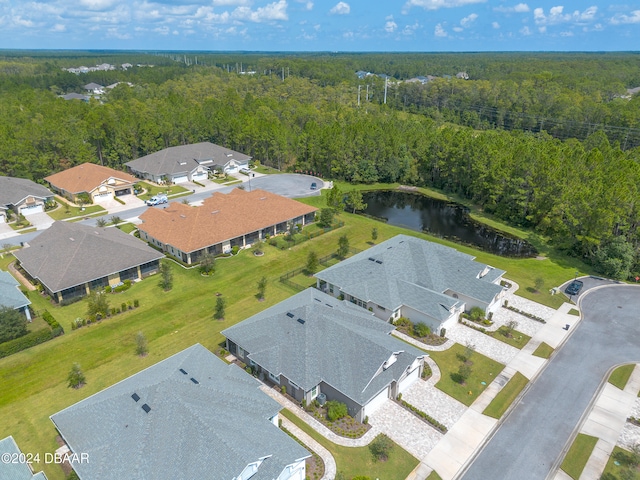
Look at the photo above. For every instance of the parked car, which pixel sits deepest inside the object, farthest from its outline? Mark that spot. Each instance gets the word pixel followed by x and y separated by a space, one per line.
pixel 157 200
pixel 573 288
pixel 314 186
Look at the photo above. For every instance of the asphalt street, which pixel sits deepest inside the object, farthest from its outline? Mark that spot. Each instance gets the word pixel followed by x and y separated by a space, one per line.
pixel 534 435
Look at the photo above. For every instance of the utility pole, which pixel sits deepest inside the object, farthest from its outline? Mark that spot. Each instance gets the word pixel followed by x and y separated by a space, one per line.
pixel 359 94
pixel 283 74
pixel 367 92
pixel 386 81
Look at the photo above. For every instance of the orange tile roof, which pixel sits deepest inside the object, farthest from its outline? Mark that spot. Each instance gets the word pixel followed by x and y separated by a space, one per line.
pixel 221 217
pixel 86 177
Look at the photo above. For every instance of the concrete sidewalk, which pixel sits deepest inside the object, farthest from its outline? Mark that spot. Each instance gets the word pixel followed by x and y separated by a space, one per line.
pixel 605 421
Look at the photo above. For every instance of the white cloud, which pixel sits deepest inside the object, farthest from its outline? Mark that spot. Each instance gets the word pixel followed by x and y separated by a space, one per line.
pixel 409 30
pixel 97 4
pixel 542 29
pixel 270 12
pixel 390 26
pixel 439 31
pixel 114 33
pixel 437 4
pixel 58 27
pixel 309 6
pixel 495 25
pixel 458 29
pixel 467 21
pixel 621 18
pixel 556 15
pixel 519 8
pixel 566 34
pixel 341 8
pixel 525 31
pixel 18 20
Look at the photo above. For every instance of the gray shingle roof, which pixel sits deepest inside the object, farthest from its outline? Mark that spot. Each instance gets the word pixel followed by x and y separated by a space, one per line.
pixel 16 471
pixel 14 190
pixel 407 269
pixel 185 158
pixel 10 295
pixel 339 343
pixel 69 254
pixel 212 429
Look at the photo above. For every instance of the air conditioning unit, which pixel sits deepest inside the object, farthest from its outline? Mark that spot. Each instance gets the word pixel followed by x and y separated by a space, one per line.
pixel 322 398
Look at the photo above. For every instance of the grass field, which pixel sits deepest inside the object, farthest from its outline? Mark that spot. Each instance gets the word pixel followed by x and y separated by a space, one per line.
pixel 354 461
pixel 620 376
pixel 578 455
pixel 34 381
pixel 152 190
pixel 506 396
pixel 66 211
pixel 483 369
pixel 625 469
pixel 517 339
pixel 543 351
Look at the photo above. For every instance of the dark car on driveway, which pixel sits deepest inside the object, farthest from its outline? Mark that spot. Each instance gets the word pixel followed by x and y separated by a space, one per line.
pixel 573 288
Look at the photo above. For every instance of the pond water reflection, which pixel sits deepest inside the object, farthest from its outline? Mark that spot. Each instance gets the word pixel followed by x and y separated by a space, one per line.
pixel 442 219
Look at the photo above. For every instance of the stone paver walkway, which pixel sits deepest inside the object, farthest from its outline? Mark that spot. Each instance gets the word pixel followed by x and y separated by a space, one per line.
pixel 329 462
pixel 434 402
pixel 484 344
pixel 630 435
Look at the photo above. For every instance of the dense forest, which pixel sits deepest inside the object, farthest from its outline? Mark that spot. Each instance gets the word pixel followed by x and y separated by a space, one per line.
pixel 511 139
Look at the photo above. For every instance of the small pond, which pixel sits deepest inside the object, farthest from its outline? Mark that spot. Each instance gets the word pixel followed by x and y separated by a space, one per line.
pixel 442 219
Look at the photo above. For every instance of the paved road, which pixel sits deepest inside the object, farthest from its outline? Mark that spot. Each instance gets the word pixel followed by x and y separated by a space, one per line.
pixel 527 445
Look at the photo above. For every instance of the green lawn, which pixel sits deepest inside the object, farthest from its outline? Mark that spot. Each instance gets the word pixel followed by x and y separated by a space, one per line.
pixel 127 227
pixel 624 468
pixel 354 461
pixel 66 211
pixel 578 455
pixel 517 339
pixel 506 396
pixel 434 476
pixel 266 170
pixel 575 312
pixel 543 351
pixel 620 376
pixel 152 190
pixel 483 369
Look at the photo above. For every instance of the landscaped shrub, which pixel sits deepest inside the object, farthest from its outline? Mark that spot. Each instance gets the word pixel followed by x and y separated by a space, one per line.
pixel 53 323
pixel 403 322
pixel 336 410
pixel 136 303
pixel 476 314
pixel 29 340
pixel 380 447
pixel 123 306
pixel 421 329
pixel 430 420
pixel 283 389
pixel 235 249
pixel 107 289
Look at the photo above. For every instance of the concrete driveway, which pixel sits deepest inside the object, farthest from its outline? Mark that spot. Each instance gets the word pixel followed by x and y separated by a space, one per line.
pixel 41 221
pixel 532 438
pixel 287 184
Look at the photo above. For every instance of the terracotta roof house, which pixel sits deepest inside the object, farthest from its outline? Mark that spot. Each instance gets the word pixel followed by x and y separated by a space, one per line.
pixel 187 163
pixel 316 345
pixel 70 259
pixel 98 182
pixel 413 278
pixel 238 218
pixel 190 416
pixel 22 196
pixel 10 470
pixel 11 296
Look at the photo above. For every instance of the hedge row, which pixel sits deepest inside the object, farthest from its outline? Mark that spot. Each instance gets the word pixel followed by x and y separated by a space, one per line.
pixel 526 314
pixel 29 340
pixel 53 323
pixel 430 420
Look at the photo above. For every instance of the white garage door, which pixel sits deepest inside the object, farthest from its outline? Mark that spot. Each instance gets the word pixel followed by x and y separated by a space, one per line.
pixel 376 402
pixel 101 197
pixel 200 176
pixel 408 380
pixel 180 179
pixel 33 209
pixel 1 218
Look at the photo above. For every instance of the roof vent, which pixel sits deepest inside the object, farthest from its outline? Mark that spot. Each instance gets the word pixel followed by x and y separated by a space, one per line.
pixel 372 259
pixel 195 381
pixel 329 305
pixel 290 315
pixel 263 198
pixel 183 371
pixel 401 241
pixel 146 408
pixel 389 248
pixel 72 239
pixel 183 216
pixel 317 299
pixel 301 321
pixel 379 262
pixel 215 211
pixel 135 397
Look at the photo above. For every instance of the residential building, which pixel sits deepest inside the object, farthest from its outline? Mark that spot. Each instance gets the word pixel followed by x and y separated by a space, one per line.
pixel 187 163
pixel 71 259
pixel 14 468
pixel 409 277
pixel 11 296
pixel 317 346
pixel 238 218
pixel 190 416
pixel 94 88
pixel 98 182
pixel 22 196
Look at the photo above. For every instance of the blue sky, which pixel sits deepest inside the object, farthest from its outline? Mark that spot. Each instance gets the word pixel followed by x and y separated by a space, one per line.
pixel 321 25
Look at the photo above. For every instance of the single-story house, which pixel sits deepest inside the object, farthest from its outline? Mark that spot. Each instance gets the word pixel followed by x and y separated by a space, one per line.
pixel 190 416
pixel 94 88
pixel 187 163
pixel 11 296
pixel 22 196
pixel 75 96
pixel 413 278
pixel 70 259
pixel 17 470
pixel 314 344
pixel 238 218
pixel 99 182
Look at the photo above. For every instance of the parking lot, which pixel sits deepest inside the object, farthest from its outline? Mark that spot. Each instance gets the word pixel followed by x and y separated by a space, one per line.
pixel 287 185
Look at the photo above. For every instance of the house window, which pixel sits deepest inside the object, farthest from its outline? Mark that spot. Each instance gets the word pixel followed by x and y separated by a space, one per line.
pixel 330 288
pixel 314 392
pixel 274 378
pixel 240 352
pixel 380 308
